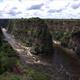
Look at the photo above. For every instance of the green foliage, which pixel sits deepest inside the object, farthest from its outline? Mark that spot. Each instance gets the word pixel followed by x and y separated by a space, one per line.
pixel 36 75
pixel 57 34
pixel 62 36
pixel 15 78
pixel 10 76
pixel 31 74
pixel 8 57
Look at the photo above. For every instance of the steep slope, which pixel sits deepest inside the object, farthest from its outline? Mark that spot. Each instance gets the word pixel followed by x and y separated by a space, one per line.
pixel 32 32
pixel 61 30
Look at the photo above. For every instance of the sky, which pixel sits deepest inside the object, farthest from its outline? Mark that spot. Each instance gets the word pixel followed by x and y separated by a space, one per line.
pixel 54 9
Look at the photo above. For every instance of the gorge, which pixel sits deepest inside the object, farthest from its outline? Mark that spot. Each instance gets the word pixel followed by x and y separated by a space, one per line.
pixel 39 36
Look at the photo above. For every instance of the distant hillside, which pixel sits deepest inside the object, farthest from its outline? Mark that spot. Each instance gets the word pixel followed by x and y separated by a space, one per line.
pixel 64 24
pixel 53 24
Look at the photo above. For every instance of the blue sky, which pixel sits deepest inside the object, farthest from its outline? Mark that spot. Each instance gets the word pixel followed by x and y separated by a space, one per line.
pixel 60 9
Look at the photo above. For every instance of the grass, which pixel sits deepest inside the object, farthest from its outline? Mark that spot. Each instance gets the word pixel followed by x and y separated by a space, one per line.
pixel 36 75
pixel 30 74
pixel 10 76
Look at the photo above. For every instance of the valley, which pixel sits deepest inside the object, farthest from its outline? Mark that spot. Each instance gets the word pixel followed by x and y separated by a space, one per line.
pixel 42 47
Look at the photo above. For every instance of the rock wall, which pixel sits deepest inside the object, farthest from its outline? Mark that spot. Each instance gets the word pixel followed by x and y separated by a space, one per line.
pixel 75 42
pixel 66 25
pixel 54 24
pixel 32 32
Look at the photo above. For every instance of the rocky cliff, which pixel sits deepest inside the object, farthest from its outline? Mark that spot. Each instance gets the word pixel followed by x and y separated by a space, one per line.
pixel 74 42
pixel 26 29
pixel 64 24
pixel 33 33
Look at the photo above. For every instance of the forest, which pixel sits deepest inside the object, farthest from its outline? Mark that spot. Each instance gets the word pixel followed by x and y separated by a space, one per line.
pixel 39 49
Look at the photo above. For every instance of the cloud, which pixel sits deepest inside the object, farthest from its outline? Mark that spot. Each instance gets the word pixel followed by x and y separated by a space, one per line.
pixel 13 13
pixel 14 8
pixel 36 7
pixel 20 0
pixel 58 10
pixel 1 0
pixel 53 11
pixel 40 8
pixel 75 6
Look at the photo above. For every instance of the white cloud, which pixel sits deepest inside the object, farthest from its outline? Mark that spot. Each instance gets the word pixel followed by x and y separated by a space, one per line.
pixel 40 8
pixel 75 4
pixel 58 4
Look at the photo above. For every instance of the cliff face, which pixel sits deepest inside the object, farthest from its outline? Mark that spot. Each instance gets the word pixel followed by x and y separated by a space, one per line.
pixel 63 29
pixel 75 42
pixel 1 35
pixel 26 30
pixel 3 23
pixel 53 25
pixel 66 25
pixel 42 39
pixel 34 33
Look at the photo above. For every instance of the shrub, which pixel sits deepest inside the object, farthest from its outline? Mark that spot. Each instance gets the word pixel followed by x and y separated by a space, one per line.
pixel 8 57
pixel 35 75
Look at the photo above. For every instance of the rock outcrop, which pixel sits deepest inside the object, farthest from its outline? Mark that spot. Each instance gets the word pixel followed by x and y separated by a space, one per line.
pixel 33 33
pixel 1 35
pixel 42 39
pixel 63 24
pixel 75 42
pixel 26 30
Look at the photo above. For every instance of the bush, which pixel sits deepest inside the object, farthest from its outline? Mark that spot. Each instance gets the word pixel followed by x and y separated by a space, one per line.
pixel 35 75
pixel 16 78
pixel 8 57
